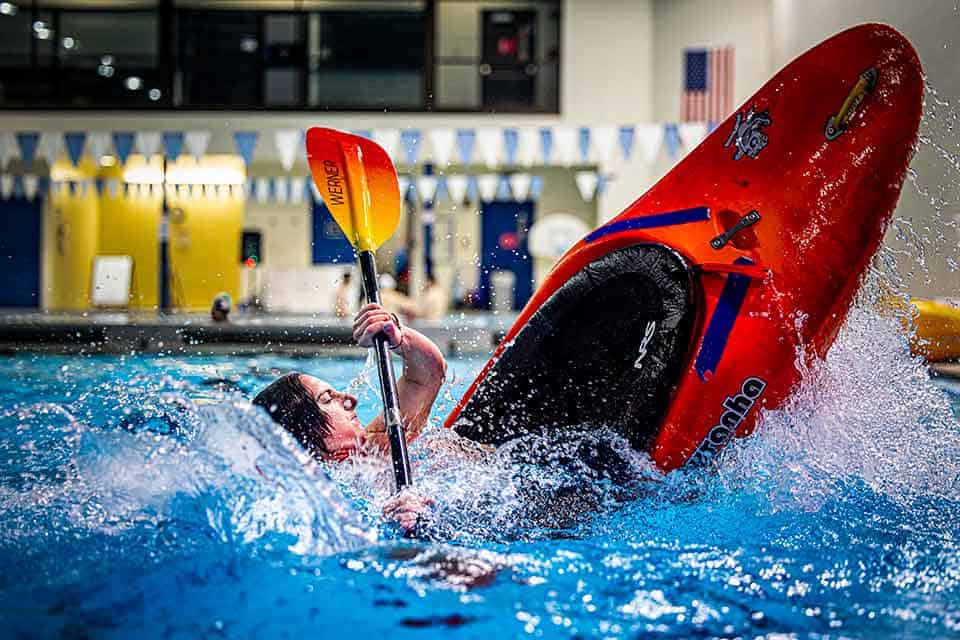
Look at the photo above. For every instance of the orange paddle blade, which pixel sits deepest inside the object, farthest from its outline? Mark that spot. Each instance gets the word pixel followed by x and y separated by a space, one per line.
pixel 358 183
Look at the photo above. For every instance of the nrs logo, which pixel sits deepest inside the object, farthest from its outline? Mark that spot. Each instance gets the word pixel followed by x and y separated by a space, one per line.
pixel 736 409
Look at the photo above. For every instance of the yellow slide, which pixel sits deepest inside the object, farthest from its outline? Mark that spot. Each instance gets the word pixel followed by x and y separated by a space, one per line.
pixel 937 336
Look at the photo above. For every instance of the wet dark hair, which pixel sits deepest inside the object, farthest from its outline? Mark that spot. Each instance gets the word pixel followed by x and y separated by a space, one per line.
pixel 290 405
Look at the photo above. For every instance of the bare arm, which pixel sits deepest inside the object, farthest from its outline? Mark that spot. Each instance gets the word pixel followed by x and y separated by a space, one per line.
pixel 423 367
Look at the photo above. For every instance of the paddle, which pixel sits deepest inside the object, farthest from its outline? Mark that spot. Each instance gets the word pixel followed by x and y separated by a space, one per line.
pixel 359 185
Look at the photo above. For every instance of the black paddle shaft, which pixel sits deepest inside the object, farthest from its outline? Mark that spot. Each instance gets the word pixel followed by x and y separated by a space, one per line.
pixel 388 384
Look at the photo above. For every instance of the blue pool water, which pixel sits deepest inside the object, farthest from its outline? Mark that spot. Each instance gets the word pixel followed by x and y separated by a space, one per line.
pixel 144 497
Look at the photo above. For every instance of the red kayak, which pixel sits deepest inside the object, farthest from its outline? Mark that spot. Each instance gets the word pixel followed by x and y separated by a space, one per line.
pixel 677 321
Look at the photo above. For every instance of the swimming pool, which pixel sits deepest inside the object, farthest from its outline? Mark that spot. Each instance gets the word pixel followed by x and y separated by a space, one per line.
pixel 142 496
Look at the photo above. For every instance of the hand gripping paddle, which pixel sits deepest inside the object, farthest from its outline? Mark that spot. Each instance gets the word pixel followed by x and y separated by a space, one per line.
pixel 359 185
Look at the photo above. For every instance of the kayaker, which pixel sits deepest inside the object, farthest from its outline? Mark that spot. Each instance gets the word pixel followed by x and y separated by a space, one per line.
pixel 324 419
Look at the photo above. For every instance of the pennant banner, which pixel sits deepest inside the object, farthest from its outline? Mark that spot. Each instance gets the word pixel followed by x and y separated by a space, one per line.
pixel 75 141
pixel 6 186
pixel 511 143
pixel 98 144
pixel 288 142
pixel 626 136
pixel 520 186
pixel 457 188
pixel 197 143
pixel 466 141
pixel 566 141
pixel 442 143
pixel 527 145
pixel 410 142
pixel 671 139
pixel 297 187
pixel 487 184
pixel 123 145
pixel 148 143
pixel 245 143
pixel 31 185
pixel 172 144
pixel 489 141
pixel 583 142
pixel 28 142
pixel 8 148
pixel 427 188
pixel 586 184
pixel 546 145
pixel 503 188
pixel 691 133
pixel 603 140
pixel 649 139
pixel 50 147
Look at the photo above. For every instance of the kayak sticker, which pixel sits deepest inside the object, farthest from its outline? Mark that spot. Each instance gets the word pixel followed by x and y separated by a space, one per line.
pixel 683 216
pixel 721 322
pixel 747 135
pixel 644 344
pixel 735 410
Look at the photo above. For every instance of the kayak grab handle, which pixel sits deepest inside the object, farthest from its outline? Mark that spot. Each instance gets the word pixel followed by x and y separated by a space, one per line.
pixel 838 123
pixel 748 220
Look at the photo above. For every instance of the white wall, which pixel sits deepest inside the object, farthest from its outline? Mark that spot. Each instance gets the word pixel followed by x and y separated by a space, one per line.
pixel 681 24
pixel 933 27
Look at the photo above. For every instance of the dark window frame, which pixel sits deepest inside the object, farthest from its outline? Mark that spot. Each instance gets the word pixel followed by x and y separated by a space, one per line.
pixel 168 65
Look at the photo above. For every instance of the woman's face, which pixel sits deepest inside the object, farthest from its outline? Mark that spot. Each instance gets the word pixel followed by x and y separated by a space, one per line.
pixel 346 433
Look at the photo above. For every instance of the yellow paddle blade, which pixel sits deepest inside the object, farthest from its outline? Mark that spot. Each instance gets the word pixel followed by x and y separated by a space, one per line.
pixel 358 183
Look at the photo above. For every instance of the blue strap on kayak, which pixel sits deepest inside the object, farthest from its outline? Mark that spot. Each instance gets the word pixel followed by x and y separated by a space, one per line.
pixel 721 323
pixel 683 216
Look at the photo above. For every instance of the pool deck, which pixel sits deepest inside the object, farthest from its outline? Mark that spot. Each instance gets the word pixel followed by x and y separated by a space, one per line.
pixel 121 332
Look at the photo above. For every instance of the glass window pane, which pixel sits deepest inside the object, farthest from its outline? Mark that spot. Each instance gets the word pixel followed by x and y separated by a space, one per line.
pixel 127 40
pixel 219 58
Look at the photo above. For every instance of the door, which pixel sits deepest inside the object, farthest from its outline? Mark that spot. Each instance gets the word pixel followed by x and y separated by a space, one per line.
pixel 20 253
pixel 503 246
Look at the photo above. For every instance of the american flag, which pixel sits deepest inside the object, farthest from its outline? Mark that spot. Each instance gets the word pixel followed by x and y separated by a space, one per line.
pixel 707 85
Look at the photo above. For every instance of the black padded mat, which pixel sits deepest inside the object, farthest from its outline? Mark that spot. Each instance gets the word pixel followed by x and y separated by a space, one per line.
pixel 606 349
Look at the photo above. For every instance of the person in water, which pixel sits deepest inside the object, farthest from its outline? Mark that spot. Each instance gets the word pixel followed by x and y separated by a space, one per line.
pixel 324 419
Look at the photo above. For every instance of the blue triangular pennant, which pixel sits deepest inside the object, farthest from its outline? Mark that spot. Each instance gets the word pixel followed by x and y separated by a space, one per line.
pixel 626 135
pixel 246 142
pixel 503 189
pixel 363 133
pixel 172 144
pixel 511 139
pixel 123 145
pixel 473 189
pixel 75 141
pixel 536 187
pixel 711 126
pixel 671 138
pixel 410 141
pixel 466 141
pixel 27 141
pixel 546 144
pixel 584 138
pixel 601 183
pixel 19 192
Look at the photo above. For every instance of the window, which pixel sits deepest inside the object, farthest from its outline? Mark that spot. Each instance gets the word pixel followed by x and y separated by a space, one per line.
pixel 368 59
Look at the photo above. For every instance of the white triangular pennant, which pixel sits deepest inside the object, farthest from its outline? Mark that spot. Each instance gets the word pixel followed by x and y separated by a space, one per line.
pixel 528 145
pixel 691 133
pixel 281 189
pixel 403 183
pixel 457 188
pixel 8 148
pixel 586 184
pixel 197 143
pixel 427 188
pixel 50 148
pixel 263 190
pixel 520 186
pixel 148 143
pixel 288 143
pixel 6 186
pixel 603 139
pixel 442 143
pixel 565 142
pixel 31 184
pixel 649 137
pixel 297 186
pixel 99 144
pixel 487 184
pixel 490 143
pixel 389 139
